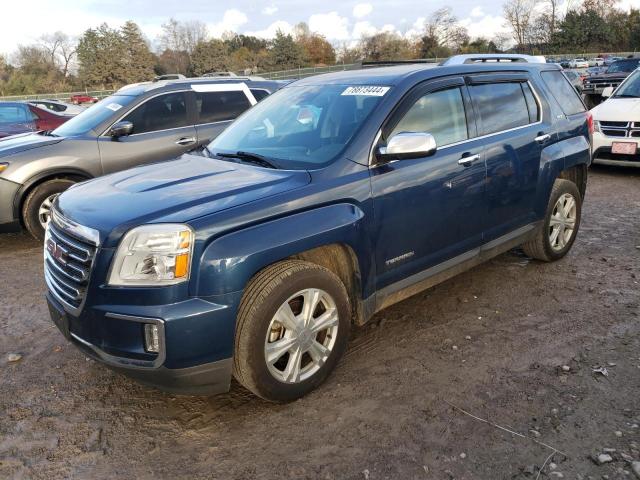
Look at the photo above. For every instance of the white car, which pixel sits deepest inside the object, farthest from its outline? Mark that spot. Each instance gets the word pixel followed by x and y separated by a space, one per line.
pixel 578 63
pixel 616 139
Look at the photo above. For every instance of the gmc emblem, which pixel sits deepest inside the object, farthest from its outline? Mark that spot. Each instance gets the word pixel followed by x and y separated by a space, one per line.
pixel 56 251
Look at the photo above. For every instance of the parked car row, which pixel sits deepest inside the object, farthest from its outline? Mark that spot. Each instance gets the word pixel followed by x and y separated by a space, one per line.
pixel 333 198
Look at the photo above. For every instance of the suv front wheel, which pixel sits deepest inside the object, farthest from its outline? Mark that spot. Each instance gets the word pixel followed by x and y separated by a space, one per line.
pixel 36 210
pixel 560 227
pixel 293 327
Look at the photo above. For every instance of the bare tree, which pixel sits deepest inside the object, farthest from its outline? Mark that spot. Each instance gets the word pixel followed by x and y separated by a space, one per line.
pixel 178 41
pixel 61 49
pixel 519 15
pixel 444 28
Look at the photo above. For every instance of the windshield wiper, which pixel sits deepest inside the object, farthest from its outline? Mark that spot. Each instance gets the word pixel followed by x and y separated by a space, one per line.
pixel 249 157
pixel 47 133
pixel 626 95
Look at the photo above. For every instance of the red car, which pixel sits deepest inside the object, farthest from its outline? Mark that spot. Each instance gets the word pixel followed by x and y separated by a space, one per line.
pixel 16 117
pixel 82 98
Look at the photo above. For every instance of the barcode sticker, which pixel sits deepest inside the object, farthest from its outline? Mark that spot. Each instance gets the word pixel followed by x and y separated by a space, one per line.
pixel 369 90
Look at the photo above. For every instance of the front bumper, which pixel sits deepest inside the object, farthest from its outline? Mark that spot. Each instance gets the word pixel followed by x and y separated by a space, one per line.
pixel 8 220
pixel 602 151
pixel 196 341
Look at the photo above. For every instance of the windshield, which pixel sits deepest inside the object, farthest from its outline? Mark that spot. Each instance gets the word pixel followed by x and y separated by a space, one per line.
pixel 631 87
pixel 303 127
pixel 623 66
pixel 93 116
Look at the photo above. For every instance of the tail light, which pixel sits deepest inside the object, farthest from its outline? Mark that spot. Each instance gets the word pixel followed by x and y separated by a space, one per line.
pixel 590 122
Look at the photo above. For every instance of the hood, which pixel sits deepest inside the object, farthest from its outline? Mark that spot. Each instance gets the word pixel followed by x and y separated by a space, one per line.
pixel 618 110
pixel 174 191
pixel 26 141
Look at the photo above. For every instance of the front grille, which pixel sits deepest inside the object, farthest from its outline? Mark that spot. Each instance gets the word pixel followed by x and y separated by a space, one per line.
pixel 602 83
pixel 67 261
pixel 620 129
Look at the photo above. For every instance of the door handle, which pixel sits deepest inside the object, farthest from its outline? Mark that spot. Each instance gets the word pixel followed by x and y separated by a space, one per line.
pixel 186 141
pixel 468 160
pixel 542 138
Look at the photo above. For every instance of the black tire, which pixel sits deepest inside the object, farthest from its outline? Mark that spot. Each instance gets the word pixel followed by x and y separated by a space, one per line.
pixel 31 206
pixel 540 246
pixel 265 293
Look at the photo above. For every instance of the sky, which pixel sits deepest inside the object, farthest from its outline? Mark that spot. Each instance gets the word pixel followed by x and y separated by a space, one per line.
pixel 338 20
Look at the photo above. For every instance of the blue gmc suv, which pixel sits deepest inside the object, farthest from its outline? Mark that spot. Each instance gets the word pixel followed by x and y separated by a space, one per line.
pixel 330 200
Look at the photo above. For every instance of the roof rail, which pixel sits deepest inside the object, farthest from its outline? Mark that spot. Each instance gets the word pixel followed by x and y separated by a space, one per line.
pixel 493 57
pixel 390 63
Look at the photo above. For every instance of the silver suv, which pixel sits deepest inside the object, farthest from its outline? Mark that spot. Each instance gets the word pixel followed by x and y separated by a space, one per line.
pixel 139 124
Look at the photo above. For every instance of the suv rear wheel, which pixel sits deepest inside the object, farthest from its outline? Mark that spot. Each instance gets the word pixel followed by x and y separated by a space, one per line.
pixel 293 327
pixel 558 232
pixel 36 211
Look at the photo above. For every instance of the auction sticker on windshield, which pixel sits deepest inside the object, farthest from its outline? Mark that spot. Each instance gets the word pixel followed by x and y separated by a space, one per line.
pixel 371 91
pixel 114 106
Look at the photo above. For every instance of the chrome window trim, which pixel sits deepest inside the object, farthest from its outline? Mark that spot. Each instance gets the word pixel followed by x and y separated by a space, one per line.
pixel 540 111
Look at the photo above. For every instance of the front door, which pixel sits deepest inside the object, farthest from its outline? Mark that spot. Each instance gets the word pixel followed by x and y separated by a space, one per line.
pixel 162 130
pixel 429 210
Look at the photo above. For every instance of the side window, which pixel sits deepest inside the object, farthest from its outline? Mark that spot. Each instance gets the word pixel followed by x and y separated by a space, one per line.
pixel 220 106
pixel 259 94
pixel 159 113
pixel 439 113
pixel 532 104
pixel 14 114
pixel 563 92
pixel 501 106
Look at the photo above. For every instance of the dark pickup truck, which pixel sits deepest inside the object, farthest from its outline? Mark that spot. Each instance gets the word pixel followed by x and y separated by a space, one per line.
pixel 594 85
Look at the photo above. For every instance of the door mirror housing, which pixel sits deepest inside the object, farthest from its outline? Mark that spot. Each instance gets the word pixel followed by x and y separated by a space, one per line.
pixel 607 92
pixel 120 129
pixel 407 145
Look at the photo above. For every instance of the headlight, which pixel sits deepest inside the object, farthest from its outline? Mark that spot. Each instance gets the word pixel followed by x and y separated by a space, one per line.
pixel 596 126
pixel 153 255
pixel 3 166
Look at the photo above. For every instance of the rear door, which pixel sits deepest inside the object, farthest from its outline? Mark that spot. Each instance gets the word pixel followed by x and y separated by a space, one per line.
pixel 217 105
pixel 515 131
pixel 163 129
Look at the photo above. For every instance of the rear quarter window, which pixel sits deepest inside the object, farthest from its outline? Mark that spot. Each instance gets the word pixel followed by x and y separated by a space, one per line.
pixel 563 92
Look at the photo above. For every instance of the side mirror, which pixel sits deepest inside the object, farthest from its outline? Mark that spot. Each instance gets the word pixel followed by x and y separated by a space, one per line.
pixel 607 92
pixel 406 145
pixel 120 129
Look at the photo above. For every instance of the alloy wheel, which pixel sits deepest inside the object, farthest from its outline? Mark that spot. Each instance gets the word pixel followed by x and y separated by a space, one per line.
pixel 562 222
pixel 301 335
pixel 44 212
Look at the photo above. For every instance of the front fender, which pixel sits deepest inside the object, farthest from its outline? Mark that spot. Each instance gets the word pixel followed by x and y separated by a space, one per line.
pixel 229 262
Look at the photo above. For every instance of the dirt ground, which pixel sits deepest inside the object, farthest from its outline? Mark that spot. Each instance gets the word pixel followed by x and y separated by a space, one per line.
pixel 491 342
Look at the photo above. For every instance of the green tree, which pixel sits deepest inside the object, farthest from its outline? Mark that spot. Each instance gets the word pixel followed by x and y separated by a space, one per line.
pixel 210 56
pixel 100 56
pixel 138 61
pixel 285 53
